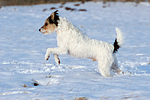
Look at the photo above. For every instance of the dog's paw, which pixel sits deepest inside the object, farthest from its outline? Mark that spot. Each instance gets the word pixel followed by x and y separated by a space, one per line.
pixel 57 60
pixel 46 57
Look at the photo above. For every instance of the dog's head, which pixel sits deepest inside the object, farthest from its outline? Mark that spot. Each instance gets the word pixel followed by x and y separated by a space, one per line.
pixel 51 23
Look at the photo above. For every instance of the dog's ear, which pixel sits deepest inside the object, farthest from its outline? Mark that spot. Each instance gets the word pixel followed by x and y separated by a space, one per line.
pixel 54 17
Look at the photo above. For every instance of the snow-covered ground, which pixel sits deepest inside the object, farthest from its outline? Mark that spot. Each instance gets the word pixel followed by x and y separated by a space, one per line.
pixel 23 47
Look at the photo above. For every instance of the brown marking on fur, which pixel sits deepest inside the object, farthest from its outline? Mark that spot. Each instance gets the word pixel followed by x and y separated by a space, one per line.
pixel 93 59
pixel 59 62
pixel 47 57
pixel 58 59
pixel 51 16
pixel 48 26
pixel 50 23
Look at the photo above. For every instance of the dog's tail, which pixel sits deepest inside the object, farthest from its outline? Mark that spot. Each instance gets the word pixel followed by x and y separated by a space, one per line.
pixel 118 41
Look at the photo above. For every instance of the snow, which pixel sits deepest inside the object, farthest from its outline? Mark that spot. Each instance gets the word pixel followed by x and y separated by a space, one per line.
pixel 23 47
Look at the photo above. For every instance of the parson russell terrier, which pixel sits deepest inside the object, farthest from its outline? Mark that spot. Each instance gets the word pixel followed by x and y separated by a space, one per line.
pixel 73 42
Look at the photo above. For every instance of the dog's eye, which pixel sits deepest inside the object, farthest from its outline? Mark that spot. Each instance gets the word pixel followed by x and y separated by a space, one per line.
pixel 46 24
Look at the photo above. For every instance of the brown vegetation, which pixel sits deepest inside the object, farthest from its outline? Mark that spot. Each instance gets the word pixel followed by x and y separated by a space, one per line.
pixel 82 10
pixel 81 98
pixel 33 2
pixel 76 4
pixel 52 8
pixel 71 9
pixel 24 85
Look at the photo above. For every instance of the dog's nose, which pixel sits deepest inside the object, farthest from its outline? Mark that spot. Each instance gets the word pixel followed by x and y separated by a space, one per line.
pixel 39 29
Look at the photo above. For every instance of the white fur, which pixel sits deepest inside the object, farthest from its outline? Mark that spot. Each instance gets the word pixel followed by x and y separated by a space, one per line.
pixel 73 42
pixel 119 36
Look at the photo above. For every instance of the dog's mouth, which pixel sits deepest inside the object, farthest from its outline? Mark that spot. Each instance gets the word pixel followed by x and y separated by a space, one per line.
pixel 44 32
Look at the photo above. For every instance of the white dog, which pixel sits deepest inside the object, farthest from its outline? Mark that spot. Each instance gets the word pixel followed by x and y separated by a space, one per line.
pixel 73 42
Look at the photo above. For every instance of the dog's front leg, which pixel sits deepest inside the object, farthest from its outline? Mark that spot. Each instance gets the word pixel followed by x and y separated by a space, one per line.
pixel 56 52
pixel 47 55
pixel 57 60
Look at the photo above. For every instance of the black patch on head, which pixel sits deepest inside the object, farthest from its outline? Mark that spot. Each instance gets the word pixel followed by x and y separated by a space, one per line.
pixel 54 19
pixel 116 46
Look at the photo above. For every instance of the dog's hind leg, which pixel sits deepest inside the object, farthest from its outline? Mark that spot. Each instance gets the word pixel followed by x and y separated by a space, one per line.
pixel 115 67
pixel 104 68
pixel 57 60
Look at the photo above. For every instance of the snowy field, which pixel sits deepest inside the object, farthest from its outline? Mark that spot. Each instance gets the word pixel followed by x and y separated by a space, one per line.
pixel 25 75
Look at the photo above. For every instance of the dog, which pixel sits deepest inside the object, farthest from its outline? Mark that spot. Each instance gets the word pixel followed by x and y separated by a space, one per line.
pixel 73 42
